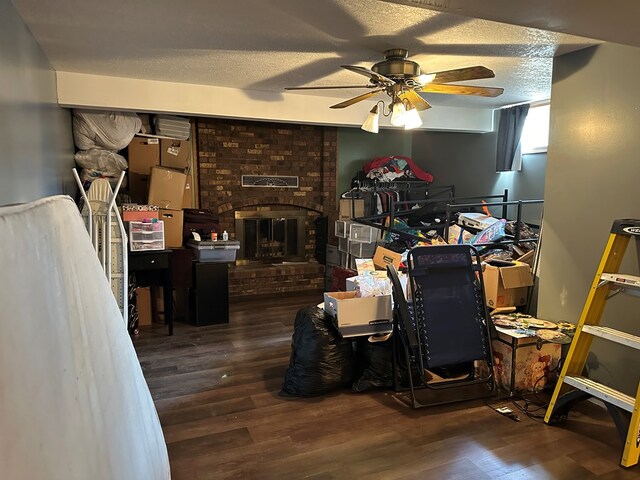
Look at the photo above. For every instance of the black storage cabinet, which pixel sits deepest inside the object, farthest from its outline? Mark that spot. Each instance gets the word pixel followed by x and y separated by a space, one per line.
pixel 209 295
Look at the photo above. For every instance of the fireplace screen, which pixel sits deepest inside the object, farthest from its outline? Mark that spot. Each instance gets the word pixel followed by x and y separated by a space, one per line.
pixel 270 236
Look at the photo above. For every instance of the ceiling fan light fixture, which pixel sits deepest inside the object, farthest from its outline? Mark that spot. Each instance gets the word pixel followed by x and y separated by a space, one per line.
pixel 398 113
pixel 371 123
pixel 412 119
pixel 426 78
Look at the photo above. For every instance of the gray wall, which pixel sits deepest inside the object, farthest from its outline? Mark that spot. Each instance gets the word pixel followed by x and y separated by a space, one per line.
pixel 35 134
pixel 468 161
pixel 592 179
pixel 356 147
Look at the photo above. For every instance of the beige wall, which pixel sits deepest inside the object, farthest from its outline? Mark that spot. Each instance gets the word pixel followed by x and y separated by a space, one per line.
pixel 36 153
pixel 592 178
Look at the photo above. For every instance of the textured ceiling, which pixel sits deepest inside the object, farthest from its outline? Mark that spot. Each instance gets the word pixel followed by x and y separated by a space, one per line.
pixel 267 45
pixel 613 21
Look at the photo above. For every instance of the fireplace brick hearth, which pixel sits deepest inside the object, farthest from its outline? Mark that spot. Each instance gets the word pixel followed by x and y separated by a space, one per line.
pixel 228 149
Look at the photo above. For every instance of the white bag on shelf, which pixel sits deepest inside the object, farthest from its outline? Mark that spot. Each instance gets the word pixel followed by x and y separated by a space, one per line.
pixel 101 129
pixel 100 159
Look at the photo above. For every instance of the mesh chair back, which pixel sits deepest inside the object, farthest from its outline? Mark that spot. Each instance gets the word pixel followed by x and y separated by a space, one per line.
pixel 449 308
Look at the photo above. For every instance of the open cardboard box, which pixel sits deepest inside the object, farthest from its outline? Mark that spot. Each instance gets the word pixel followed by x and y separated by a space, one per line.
pixel 506 283
pixel 354 316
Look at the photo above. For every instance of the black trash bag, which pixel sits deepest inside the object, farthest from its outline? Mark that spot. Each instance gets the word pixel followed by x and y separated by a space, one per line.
pixel 321 360
pixel 376 362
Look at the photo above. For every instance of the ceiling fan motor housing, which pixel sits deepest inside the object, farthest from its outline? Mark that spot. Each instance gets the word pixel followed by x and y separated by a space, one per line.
pixel 396 65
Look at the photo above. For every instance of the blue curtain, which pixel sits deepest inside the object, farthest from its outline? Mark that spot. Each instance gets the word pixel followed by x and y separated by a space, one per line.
pixel 509 133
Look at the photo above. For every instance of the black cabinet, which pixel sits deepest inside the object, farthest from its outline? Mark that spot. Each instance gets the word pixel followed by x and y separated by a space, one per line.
pixel 153 267
pixel 210 293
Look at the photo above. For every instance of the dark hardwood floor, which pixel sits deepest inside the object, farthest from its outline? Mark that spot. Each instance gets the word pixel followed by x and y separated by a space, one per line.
pixel 216 391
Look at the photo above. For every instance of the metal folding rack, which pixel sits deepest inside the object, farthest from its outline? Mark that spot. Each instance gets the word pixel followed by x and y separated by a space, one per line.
pixel 108 236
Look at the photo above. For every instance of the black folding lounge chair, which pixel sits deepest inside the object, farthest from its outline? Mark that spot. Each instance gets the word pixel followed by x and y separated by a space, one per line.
pixel 443 335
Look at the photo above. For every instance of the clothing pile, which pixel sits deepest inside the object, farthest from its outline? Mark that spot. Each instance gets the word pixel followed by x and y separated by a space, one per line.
pixel 387 169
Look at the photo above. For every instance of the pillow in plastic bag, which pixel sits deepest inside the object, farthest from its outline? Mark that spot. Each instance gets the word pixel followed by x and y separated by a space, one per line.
pixel 101 129
pixel 99 159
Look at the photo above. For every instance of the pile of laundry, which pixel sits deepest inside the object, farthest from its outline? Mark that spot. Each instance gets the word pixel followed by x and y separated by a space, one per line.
pixel 387 169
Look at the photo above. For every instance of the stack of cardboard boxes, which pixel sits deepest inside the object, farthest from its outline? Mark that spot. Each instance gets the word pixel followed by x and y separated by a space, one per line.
pixel 158 176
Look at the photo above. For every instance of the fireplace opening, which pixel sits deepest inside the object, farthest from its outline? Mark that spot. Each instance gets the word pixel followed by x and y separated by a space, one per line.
pixel 270 236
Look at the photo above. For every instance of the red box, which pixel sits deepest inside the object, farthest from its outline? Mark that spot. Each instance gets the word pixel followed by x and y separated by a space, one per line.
pixel 135 216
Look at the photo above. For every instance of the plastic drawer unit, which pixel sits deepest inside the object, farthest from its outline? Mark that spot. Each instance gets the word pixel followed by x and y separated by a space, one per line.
pixel 146 236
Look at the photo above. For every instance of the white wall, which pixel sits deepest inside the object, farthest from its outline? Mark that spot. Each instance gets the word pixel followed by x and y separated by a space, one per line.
pixel 592 179
pixel 36 154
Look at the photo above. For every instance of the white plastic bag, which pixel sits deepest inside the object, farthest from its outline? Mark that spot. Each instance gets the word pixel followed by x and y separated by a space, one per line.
pixel 107 130
pixel 100 159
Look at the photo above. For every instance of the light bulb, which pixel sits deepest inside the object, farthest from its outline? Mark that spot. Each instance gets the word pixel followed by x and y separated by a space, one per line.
pixel 398 114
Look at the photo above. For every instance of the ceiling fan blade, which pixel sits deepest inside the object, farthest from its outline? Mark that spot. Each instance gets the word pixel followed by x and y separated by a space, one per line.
pixel 463 90
pixel 460 74
pixel 416 100
pixel 357 99
pixel 375 77
pixel 329 88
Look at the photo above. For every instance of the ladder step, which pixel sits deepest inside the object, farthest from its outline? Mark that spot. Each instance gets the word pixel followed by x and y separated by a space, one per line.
pixel 617 336
pixel 601 391
pixel 622 280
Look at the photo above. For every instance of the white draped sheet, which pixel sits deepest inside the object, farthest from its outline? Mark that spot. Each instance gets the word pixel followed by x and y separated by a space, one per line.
pixel 73 401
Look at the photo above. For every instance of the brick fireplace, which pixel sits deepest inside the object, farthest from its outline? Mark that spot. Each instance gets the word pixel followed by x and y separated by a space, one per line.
pixel 229 149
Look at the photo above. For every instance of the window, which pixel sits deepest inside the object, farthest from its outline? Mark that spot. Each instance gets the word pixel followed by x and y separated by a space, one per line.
pixel 535 134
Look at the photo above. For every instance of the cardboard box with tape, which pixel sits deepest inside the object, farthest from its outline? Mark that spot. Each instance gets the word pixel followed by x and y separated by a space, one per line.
pixel 384 256
pixel 166 188
pixel 506 283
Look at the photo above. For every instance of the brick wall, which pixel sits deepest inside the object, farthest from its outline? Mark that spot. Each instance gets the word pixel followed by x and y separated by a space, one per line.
pixel 228 149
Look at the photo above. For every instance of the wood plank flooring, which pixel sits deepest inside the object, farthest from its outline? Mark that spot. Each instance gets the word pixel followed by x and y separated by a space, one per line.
pixel 216 391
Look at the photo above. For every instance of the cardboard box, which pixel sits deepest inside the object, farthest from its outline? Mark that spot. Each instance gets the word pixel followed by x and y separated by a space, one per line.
pixel 173 221
pixel 166 188
pixel 187 197
pixel 345 212
pixel 355 316
pixel 519 364
pixel 175 153
pixel 138 187
pixel 137 216
pixel 144 154
pixel 384 257
pixel 143 302
pixel 479 221
pixel 506 283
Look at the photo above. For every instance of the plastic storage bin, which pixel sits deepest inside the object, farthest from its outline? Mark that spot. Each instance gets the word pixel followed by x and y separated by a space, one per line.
pixel 362 250
pixel 219 251
pixel 343 228
pixel 343 245
pixel 363 233
pixel 146 236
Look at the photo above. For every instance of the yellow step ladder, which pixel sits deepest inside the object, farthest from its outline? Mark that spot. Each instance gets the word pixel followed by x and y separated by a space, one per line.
pixel 607 283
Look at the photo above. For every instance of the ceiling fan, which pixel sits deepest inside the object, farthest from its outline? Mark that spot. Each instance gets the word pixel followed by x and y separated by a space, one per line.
pixel 401 79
